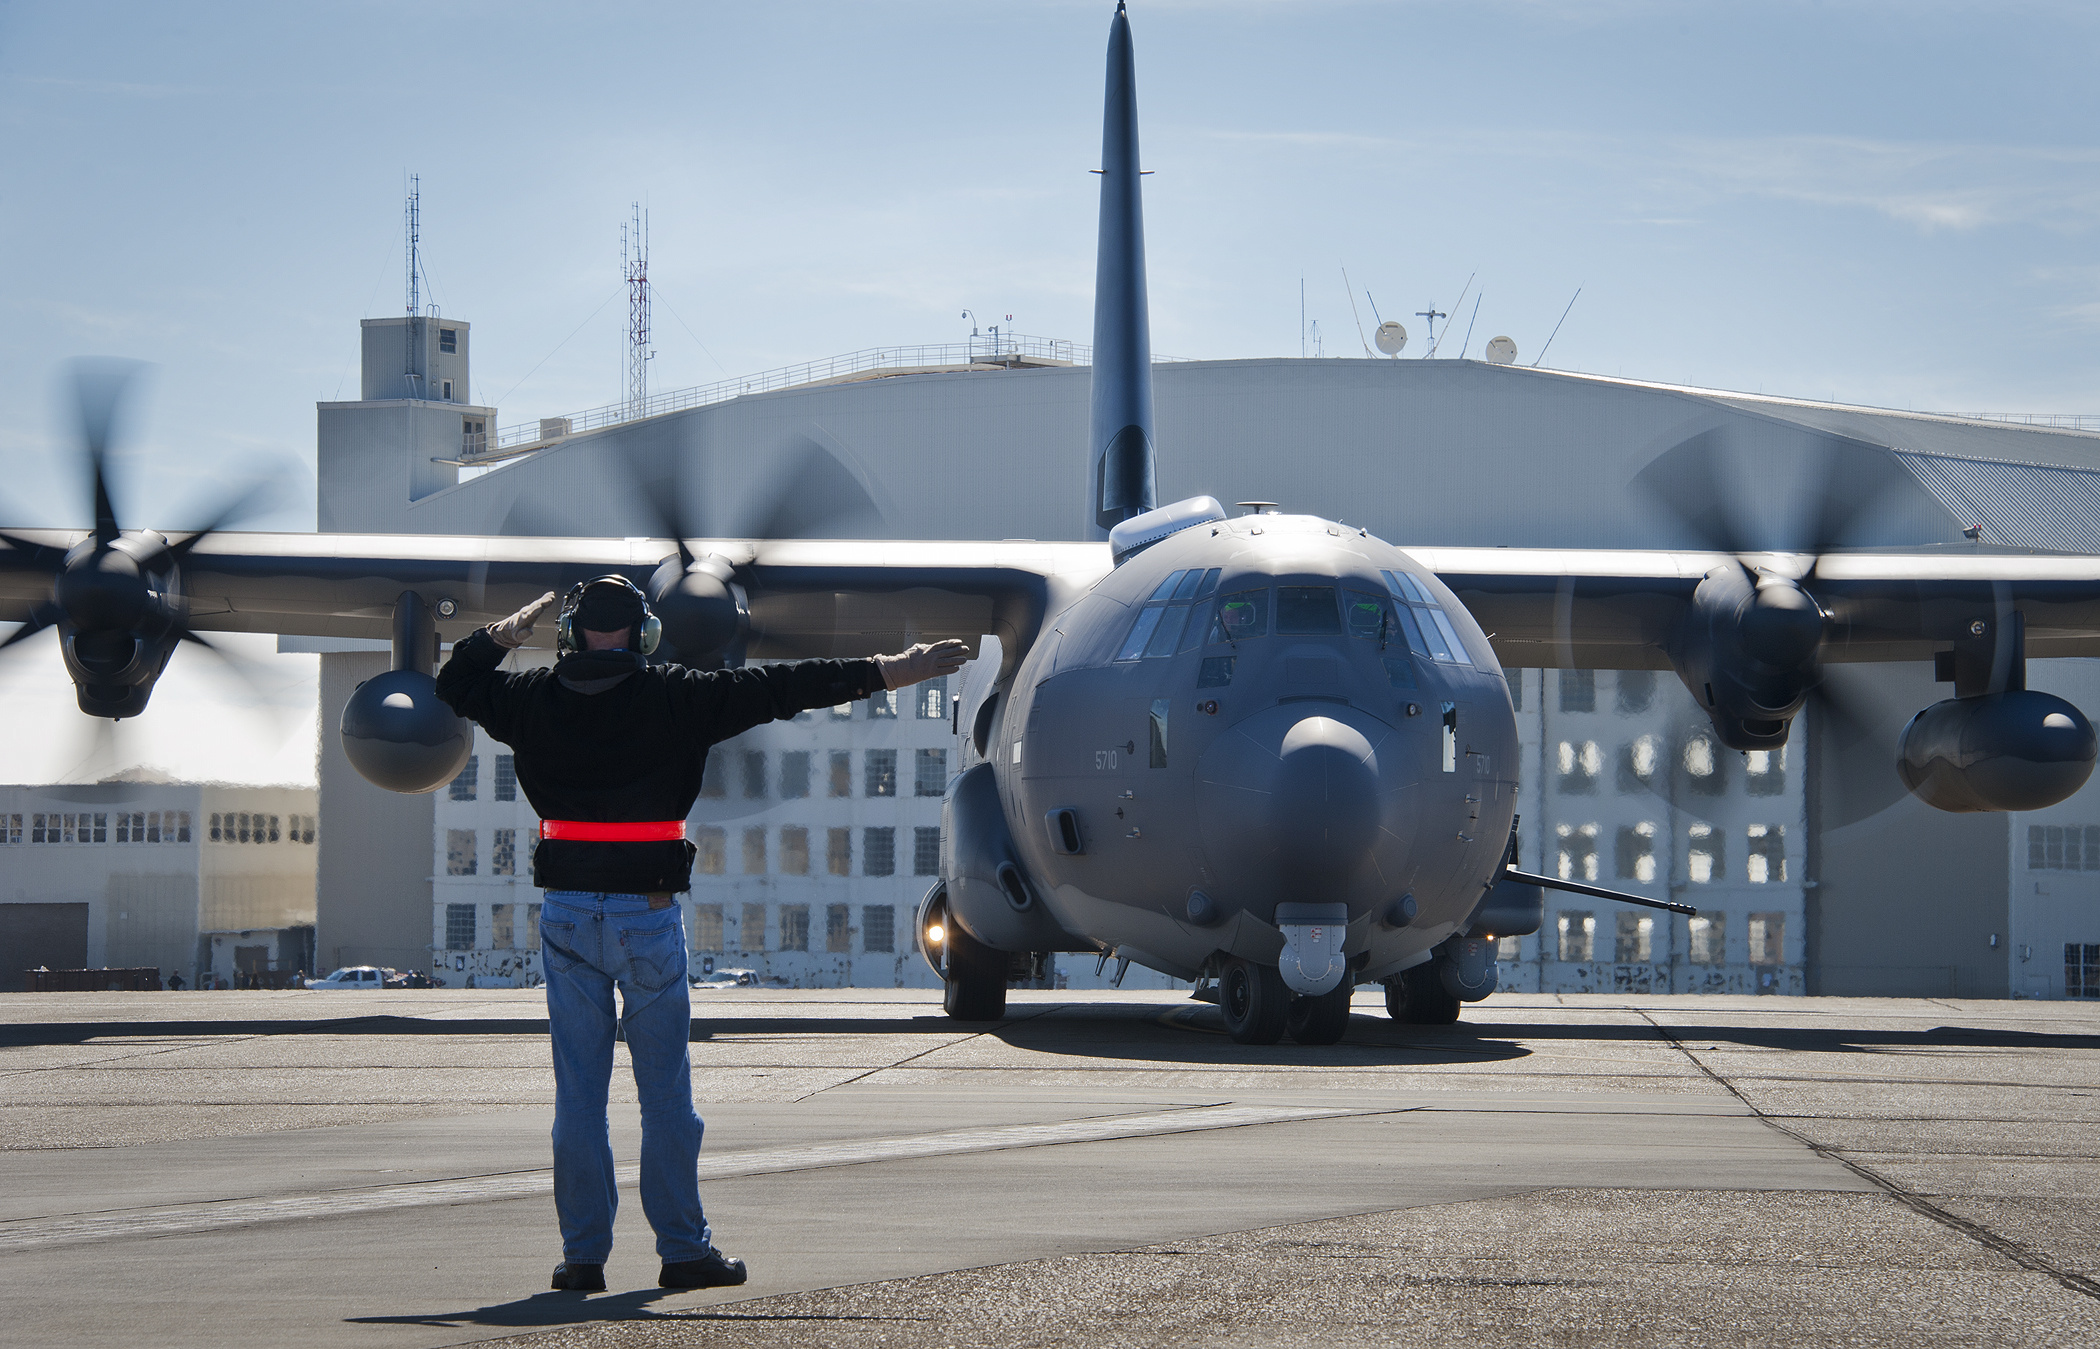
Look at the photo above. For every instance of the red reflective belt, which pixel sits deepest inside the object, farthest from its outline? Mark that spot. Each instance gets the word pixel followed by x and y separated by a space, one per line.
pixel 614 831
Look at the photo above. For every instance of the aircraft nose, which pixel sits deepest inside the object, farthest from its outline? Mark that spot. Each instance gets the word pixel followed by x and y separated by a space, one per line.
pixel 1290 803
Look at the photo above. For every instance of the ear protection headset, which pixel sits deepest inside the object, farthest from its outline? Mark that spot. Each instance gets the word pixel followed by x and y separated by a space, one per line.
pixel 649 630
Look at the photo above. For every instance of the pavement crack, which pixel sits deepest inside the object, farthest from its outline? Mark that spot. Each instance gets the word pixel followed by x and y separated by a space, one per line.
pixel 2018 1252
pixel 909 1059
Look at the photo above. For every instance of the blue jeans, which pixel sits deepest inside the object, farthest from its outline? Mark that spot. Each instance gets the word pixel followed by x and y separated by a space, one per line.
pixel 589 943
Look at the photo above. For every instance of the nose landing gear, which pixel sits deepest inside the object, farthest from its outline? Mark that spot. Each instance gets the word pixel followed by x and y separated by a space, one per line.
pixel 1260 1008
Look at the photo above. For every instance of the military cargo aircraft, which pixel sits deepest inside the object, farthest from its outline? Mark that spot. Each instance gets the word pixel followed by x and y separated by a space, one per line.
pixel 1267 752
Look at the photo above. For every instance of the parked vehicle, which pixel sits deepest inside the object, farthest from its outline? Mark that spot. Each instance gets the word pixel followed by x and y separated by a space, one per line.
pixel 731 979
pixel 352 976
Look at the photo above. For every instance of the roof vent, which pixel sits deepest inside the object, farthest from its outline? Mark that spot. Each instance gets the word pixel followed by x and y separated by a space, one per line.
pixel 1140 532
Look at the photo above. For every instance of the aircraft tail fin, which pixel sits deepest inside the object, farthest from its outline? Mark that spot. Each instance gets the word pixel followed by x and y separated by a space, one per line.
pixel 1123 480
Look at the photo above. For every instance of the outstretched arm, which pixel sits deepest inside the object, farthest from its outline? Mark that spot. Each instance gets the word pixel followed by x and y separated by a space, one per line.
pixel 471 685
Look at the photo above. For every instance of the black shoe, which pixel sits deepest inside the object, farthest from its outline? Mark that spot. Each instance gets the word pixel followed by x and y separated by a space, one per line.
pixel 570 1276
pixel 713 1270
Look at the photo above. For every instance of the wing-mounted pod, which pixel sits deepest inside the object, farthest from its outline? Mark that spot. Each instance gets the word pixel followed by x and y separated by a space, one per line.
pixel 396 732
pixel 989 893
pixel 1997 744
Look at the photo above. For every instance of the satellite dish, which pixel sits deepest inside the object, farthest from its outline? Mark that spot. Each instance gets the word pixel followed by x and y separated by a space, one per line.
pixel 1501 351
pixel 1390 337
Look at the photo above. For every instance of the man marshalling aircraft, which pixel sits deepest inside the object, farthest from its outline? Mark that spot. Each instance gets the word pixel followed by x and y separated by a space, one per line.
pixel 1268 752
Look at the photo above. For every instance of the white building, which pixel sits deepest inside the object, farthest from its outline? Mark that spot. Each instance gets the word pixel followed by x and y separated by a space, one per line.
pixel 204 881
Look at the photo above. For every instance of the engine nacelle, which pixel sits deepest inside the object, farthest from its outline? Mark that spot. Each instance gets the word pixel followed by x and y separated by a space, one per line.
pixel 2018 750
pixel 399 735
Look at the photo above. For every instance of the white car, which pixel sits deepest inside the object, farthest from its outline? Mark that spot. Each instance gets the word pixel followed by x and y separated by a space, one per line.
pixel 728 979
pixel 352 976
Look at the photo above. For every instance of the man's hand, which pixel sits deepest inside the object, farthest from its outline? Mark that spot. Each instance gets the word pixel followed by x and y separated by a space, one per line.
pixel 510 634
pixel 922 662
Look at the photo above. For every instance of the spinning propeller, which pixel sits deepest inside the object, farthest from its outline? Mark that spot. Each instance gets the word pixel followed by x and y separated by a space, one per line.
pixel 116 596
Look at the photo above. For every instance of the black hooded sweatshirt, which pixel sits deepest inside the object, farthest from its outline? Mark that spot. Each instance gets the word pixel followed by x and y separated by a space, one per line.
pixel 604 736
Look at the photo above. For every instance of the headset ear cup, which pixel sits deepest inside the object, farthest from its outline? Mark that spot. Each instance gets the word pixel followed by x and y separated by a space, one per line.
pixel 651 635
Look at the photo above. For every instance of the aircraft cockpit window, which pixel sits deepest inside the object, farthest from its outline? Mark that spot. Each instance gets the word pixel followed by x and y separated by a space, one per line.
pixel 1166 587
pixel 1168 631
pixel 1140 633
pixel 1429 629
pixel 1240 615
pixel 1370 616
pixel 1306 609
pixel 1189 581
pixel 1208 586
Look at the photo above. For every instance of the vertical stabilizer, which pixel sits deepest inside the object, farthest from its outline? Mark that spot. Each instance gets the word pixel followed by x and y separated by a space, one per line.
pixel 1120 433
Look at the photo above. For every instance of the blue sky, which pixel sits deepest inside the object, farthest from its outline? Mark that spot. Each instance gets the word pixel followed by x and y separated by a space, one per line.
pixel 1877 202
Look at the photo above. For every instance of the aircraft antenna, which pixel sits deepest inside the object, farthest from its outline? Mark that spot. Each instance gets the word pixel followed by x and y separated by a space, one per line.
pixel 1348 286
pixel 634 266
pixel 1556 327
pixel 412 226
pixel 1436 346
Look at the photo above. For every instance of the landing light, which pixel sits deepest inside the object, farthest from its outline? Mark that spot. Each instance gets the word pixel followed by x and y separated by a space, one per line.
pixel 934 933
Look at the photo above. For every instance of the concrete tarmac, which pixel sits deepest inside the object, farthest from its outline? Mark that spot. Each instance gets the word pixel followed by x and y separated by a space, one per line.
pixel 369 1169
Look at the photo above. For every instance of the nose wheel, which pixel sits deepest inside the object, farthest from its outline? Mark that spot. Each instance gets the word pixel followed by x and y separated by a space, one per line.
pixel 974 978
pixel 1321 1019
pixel 1418 997
pixel 1255 1001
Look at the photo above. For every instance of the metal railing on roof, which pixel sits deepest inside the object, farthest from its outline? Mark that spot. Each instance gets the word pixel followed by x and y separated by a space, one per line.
pixel 2060 421
pixel 1005 349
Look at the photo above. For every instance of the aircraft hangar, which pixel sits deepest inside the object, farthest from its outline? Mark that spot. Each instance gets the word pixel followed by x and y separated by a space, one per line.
pixel 1812 872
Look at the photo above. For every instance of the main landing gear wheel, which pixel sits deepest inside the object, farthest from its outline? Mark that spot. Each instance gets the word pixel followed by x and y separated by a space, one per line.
pixel 1418 998
pixel 975 987
pixel 1322 1018
pixel 1255 1002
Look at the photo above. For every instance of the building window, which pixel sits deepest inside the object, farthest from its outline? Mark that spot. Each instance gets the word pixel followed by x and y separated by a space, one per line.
pixel 300 828
pixel 2063 847
pixel 1578 691
pixel 1634 939
pixel 1635 692
pixel 459 927
pixel 751 931
pixel 926 851
pixel 1709 933
pixel 506 777
pixel 502 936
pixel 1764 772
pixel 1515 680
pixel 1702 860
pixel 838 929
pixel 838 851
pixel 1767 854
pixel 448 340
pixel 1578 934
pixel 879 772
pixel 459 852
pixel 448 390
pixel 841 772
pixel 842 712
pixel 878 928
pixel 794 850
pixel 794 927
pixel 1580 763
pixel 1767 938
pixel 532 927
pixel 712 858
pixel 276 830
pixel 882 703
pixel 463 784
pixel 503 852
pixel 714 774
pixel 930 773
pixel 100 832
pixel 755 850
pixel 878 852
pixel 179 821
pixel 755 773
pixel 932 701
pixel 1704 767
pixel 2081 970
pixel 1578 852
pixel 1635 854
pixel 794 775
pixel 11 829
pixel 707 927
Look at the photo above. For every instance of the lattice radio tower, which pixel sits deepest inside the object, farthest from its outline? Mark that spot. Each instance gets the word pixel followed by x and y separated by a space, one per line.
pixel 412 224
pixel 634 264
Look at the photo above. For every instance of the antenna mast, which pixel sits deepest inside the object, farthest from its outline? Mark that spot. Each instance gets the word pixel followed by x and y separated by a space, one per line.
pixel 1432 314
pixel 634 265
pixel 412 223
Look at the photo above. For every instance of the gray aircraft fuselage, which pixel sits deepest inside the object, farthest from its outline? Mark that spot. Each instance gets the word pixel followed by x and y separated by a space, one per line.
pixel 1269 709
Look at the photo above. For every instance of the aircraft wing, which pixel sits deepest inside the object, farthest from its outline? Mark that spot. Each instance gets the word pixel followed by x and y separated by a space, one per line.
pixel 806 597
pixel 1574 608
